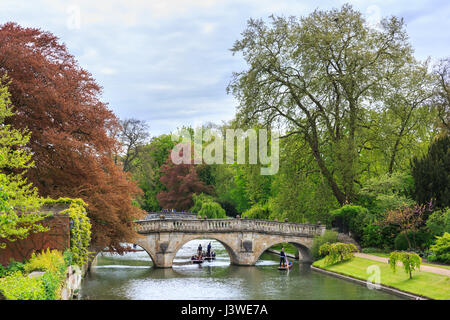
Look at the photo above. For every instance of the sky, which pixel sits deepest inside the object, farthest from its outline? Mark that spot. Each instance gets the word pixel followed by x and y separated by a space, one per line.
pixel 168 62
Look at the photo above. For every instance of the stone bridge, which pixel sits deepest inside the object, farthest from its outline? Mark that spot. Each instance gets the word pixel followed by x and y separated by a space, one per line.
pixel 245 240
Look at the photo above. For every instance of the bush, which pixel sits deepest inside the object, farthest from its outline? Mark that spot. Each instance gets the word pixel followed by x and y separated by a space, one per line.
pixel 328 237
pixel 52 283
pixel 352 218
pixel 439 222
pixel 337 252
pixel 400 242
pixel 49 260
pixel 441 249
pixel 374 250
pixel 258 211
pixel 68 258
pixel 372 236
pixel 18 286
pixel 212 210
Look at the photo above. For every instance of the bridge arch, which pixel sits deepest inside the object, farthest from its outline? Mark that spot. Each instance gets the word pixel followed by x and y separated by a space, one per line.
pixel 147 250
pixel 303 248
pixel 229 247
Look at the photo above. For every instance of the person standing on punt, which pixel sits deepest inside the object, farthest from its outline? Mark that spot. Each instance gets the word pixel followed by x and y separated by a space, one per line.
pixel 282 257
pixel 199 250
pixel 208 250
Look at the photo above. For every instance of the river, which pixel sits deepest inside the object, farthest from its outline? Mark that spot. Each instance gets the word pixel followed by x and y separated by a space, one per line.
pixel 131 276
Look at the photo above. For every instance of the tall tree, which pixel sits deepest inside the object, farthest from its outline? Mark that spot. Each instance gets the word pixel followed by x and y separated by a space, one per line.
pixel 133 136
pixel 318 76
pixel 59 103
pixel 431 174
pixel 442 94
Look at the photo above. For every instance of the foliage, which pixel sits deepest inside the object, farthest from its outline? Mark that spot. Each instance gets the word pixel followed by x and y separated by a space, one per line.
pixel 181 182
pixel 387 192
pixel 18 286
pixel 352 218
pixel 68 258
pixel 337 252
pixel 328 237
pixel 17 195
pixel 328 102
pixel 401 242
pixel 73 132
pixel 408 219
pixel 48 260
pixel 12 267
pixel 441 249
pixel 411 261
pixel 372 236
pixel 80 230
pixel 212 210
pixel 199 199
pixel 257 211
pixel 439 222
pixel 432 174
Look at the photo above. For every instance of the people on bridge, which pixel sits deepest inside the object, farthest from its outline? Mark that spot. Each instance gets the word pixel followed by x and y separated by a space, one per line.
pixel 282 258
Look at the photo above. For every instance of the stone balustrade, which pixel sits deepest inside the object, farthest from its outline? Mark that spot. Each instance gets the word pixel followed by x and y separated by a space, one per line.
pixel 228 225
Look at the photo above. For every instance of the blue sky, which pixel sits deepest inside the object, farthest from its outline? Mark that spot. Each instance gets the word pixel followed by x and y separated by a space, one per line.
pixel 168 61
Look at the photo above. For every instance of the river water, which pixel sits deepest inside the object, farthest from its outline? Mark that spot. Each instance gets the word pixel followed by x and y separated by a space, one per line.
pixel 132 276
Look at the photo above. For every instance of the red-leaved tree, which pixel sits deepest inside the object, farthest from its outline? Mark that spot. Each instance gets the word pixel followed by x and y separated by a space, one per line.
pixel 182 182
pixel 59 102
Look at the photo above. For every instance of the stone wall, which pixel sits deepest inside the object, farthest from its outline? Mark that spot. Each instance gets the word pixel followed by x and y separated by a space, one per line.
pixel 58 237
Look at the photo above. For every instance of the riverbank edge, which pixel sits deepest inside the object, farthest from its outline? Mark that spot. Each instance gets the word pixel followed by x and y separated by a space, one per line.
pixel 383 287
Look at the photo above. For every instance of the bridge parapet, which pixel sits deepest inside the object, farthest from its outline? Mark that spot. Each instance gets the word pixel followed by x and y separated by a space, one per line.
pixel 228 225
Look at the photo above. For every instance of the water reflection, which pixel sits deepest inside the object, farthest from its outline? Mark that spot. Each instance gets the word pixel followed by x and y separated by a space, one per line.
pixel 132 277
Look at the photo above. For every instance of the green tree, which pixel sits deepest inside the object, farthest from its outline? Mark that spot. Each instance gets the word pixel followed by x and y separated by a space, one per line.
pixel 410 260
pixel 320 76
pixel 19 201
pixel 432 174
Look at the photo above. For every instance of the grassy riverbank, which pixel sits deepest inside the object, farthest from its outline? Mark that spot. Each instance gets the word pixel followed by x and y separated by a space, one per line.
pixel 288 248
pixel 426 284
pixel 439 265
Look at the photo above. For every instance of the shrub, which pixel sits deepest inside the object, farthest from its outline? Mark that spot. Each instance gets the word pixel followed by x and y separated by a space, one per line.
pixel 68 258
pixel 352 218
pixel 441 249
pixel 372 236
pixel 49 260
pixel 373 250
pixel 328 237
pixel 400 242
pixel 439 222
pixel 410 261
pixel 258 211
pixel 52 283
pixel 212 210
pixel 337 252
pixel 18 286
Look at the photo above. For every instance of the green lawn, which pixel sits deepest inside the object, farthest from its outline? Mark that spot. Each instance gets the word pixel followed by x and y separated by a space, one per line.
pixel 386 255
pixel 426 284
pixel 288 248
